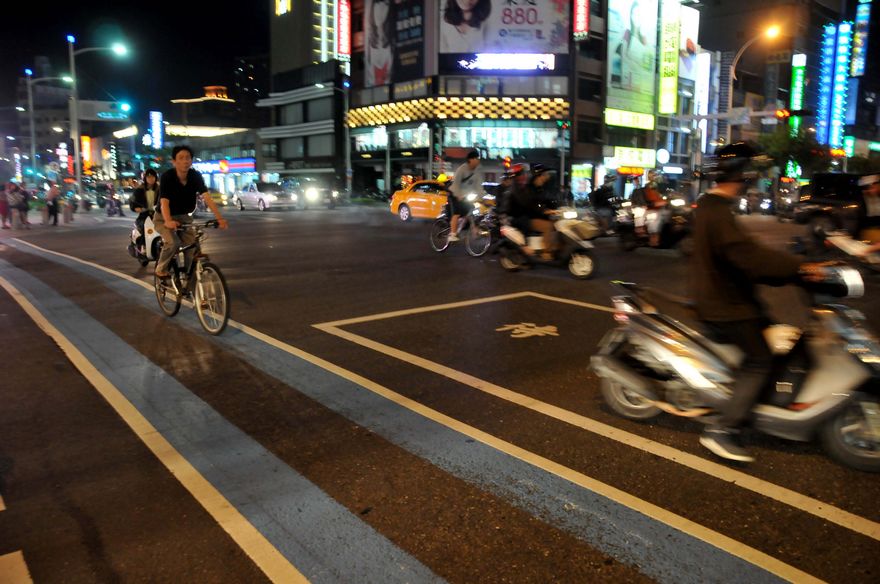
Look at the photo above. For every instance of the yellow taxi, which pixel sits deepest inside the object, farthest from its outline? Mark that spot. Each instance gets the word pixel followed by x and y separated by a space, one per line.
pixel 422 199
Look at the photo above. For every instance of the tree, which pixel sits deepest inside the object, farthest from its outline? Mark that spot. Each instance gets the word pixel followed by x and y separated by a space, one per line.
pixel 802 148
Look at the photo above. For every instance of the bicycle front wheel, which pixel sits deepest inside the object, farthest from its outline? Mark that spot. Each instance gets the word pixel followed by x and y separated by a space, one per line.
pixel 212 299
pixel 169 299
pixel 440 234
pixel 478 239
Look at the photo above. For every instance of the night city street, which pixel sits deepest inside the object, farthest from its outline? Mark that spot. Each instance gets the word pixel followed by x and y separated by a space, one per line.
pixel 364 414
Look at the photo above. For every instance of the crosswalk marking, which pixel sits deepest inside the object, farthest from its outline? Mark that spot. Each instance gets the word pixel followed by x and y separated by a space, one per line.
pixel 13 569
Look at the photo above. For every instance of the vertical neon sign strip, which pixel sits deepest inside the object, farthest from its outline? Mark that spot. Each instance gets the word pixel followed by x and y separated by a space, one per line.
pixel 860 38
pixel 798 70
pixel 156 129
pixel 841 73
pixel 701 94
pixel 343 30
pixel 667 101
pixel 826 71
pixel 581 23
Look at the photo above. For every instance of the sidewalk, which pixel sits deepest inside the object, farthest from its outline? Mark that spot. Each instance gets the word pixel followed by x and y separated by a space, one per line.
pixel 81 219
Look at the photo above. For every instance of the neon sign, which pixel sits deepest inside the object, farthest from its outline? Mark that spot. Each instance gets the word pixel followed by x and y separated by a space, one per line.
pixel 156 129
pixel 282 7
pixel 343 30
pixel 509 62
pixel 860 38
pixel 581 24
pixel 841 71
pixel 669 41
pixel 826 71
pixel 798 71
pixel 623 118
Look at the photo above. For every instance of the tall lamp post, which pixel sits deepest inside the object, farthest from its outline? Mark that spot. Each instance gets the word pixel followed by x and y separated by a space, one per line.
pixel 771 33
pixel 30 83
pixel 118 49
pixel 344 90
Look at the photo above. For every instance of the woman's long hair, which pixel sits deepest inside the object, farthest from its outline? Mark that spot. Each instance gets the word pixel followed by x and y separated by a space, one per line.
pixel 387 28
pixel 154 174
pixel 454 15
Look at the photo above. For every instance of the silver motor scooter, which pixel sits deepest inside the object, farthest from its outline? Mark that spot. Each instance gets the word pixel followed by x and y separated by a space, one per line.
pixel 145 247
pixel 826 381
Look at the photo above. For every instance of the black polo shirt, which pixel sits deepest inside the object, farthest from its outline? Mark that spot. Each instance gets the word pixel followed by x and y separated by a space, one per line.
pixel 181 197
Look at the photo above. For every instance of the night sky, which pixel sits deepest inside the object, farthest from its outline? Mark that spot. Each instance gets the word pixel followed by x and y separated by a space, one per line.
pixel 176 48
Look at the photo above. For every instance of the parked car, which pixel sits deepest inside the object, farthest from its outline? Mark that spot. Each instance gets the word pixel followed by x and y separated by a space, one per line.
pixel 831 201
pixel 264 196
pixel 423 199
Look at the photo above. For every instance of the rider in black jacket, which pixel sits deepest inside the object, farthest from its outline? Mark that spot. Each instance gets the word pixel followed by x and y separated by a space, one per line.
pixel 144 199
pixel 726 265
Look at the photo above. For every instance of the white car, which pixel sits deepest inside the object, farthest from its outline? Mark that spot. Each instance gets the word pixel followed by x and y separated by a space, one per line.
pixel 265 196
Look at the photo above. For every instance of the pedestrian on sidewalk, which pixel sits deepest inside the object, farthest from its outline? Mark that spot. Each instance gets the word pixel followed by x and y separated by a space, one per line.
pixel 52 201
pixel 4 207
pixel 15 200
pixel 26 197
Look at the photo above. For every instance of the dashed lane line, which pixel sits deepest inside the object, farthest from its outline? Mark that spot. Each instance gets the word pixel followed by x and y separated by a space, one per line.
pixel 245 535
pixel 14 570
pixel 770 490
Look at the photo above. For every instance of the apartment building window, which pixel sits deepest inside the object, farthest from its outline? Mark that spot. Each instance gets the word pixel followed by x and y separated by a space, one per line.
pixel 292 114
pixel 292 148
pixel 589 132
pixel 321 145
pixel 320 109
pixel 589 89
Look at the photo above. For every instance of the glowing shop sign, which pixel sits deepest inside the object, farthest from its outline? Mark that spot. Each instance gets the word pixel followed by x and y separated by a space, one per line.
pixel 157 129
pixel 798 72
pixel 860 38
pixel 343 30
pixel 224 166
pixel 849 145
pixel 826 72
pixel 641 157
pixel 581 24
pixel 615 117
pixel 701 95
pixel 282 7
pixel 86 148
pixel 509 62
pixel 669 41
pixel 841 71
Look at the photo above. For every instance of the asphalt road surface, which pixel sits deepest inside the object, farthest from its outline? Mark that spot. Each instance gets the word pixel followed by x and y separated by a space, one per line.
pixel 376 412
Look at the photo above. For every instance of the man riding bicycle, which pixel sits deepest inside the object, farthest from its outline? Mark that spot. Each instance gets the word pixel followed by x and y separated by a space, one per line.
pixel 179 189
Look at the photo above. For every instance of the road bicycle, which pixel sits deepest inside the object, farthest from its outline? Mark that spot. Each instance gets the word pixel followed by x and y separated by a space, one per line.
pixel 197 280
pixel 477 226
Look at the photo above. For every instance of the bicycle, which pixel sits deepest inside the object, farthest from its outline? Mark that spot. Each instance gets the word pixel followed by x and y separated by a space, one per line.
pixel 201 281
pixel 477 237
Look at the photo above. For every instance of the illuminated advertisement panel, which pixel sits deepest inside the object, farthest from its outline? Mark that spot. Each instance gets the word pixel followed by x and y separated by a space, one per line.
pixel 343 30
pixel 667 102
pixel 689 19
pixel 632 46
pixel 86 149
pixel 581 24
pixel 394 39
pixel 504 27
pixel 839 90
pixel 627 119
pixel 826 80
pixel 282 7
pixel 798 72
pixel 701 93
pixel 860 38
pixel 157 129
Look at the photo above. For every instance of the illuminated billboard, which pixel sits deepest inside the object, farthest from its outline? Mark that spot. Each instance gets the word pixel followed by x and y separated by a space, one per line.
pixel 580 28
pixel 798 74
pixel 394 38
pixel 839 89
pixel 157 129
pixel 510 26
pixel 826 79
pixel 689 19
pixel 632 46
pixel 860 38
pixel 667 102
pixel 343 30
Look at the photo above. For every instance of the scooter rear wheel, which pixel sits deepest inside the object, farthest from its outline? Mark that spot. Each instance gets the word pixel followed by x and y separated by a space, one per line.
pixel 582 265
pixel 851 439
pixel 627 403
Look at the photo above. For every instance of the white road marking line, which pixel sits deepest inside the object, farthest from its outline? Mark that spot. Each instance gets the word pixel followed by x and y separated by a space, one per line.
pixel 249 539
pixel 687 526
pixel 770 490
pixel 14 570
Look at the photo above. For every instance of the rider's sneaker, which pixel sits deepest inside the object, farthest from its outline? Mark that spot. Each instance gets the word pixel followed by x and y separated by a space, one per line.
pixel 452 238
pixel 724 442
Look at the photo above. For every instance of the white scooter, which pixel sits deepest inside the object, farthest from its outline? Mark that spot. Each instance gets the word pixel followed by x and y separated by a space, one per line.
pixel 145 248
pixel 826 382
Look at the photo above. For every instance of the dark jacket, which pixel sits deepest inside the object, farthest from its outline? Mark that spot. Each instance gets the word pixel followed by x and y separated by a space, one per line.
pixel 139 198
pixel 727 264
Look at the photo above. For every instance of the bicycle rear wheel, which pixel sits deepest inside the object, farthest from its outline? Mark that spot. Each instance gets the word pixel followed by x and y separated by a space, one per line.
pixel 477 239
pixel 440 234
pixel 169 299
pixel 212 299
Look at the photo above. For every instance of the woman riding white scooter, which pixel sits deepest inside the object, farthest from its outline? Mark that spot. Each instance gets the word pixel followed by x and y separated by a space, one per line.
pixel 143 201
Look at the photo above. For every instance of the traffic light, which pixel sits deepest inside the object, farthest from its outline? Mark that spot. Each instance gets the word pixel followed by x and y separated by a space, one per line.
pixel 562 124
pixel 507 162
pixel 782 114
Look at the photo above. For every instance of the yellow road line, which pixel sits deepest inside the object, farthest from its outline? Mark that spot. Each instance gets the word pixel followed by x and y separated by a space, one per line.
pixel 246 536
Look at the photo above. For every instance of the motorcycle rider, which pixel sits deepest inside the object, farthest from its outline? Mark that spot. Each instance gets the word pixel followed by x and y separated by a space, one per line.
pixel 602 201
pixel 869 213
pixel 143 200
pixel 529 209
pixel 726 265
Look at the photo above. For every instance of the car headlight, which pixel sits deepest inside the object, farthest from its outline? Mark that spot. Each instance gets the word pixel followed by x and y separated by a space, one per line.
pixel 472 197
pixel 677 202
pixel 293 197
pixel 335 194
pixel 224 198
pixel 272 197
pixel 312 194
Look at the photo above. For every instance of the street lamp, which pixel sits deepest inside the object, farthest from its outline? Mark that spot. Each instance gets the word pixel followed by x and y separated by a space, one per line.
pixel 30 83
pixel 346 85
pixel 118 49
pixel 770 33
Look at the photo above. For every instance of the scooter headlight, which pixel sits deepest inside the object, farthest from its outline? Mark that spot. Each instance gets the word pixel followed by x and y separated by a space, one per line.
pixel 312 194
pixel 472 197
pixel 569 214
pixel 678 202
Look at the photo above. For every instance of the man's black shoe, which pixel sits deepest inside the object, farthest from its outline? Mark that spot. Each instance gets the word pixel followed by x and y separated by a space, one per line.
pixel 724 442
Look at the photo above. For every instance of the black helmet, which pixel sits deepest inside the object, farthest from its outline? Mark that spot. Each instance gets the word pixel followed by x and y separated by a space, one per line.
pixel 538 169
pixel 733 160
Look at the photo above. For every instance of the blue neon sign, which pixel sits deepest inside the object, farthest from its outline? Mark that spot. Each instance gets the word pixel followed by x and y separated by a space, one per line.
pixel 841 73
pixel 826 69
